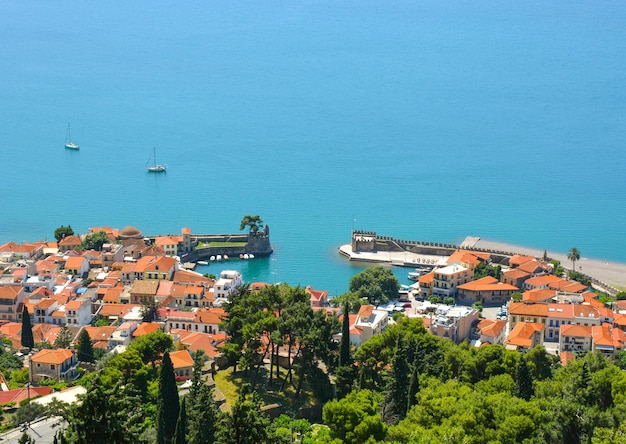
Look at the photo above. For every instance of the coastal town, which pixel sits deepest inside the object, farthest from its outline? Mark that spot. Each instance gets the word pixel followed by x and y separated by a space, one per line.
pixel 132 285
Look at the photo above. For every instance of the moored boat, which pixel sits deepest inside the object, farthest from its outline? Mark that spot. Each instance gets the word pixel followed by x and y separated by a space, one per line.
pixel 202 263
pixel 68 140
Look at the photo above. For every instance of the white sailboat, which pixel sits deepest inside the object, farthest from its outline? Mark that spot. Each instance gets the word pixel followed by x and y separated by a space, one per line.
pixel 68 140
pixel 156 168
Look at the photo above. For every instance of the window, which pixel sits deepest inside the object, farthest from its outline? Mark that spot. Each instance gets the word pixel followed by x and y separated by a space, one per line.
pixel 52 367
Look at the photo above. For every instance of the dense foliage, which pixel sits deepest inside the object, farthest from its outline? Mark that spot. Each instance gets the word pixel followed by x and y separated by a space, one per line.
pixel 95 241
pixel 375 284
pixel 402 386
pixel 62 232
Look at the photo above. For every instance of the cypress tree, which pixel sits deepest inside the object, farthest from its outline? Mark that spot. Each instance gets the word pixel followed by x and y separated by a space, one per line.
pixel 180 437
pixel 524 380
pixel 167 407
pixel 344 356
pixel 85 347
pixel 27 330
pixel 397 392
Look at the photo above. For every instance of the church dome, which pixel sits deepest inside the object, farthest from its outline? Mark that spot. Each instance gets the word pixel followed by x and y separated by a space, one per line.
pixel 131 233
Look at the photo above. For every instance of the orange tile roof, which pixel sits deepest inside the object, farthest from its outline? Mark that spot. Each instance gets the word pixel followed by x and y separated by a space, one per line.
pixel 112 295
pixel 70 241
pixel 213 315
pixel 488 283
pixel 534 266
pixel 181 359
pixel 620 320
pixel 185 276
pixel 316 294
pixel 146 327
pixel 540 281
pixel 427 278
pixel 12 247
pixel 9 291
pixel 365 311
pixel 256 286
pixel 118 310
pixel 581 331
pixel 167 240
pixel 538 295
pixel 561 311
pixel 491 328
pixel 518 259
pixel 57 357
pixel 74 262
pixel 522 334
pixel 567 357
pixel 523 309
pixel 186 230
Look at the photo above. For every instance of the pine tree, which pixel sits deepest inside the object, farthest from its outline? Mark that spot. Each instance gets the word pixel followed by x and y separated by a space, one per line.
pixel 64 338
pixel 27 330
pixel 524 381
pixel 168 406
pixel 180 436
pixel 85 347
pixel 414 388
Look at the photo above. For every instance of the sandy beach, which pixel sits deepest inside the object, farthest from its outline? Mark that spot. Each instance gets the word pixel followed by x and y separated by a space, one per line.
pixel 612 273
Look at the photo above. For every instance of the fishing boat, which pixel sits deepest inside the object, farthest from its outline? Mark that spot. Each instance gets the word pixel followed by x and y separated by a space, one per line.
pixel 218 258
pixel 68 140
pixel 251 256
pixel 155 168
pixel 212 258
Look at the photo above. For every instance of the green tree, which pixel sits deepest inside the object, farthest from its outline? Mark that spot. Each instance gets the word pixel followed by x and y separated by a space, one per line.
pixel 414 388
pixel 106 414
pixel 573 255
pixel 254 222
pixel 376 284
pixel 396 391
pixel 202 412
pixel 168 403
pixel 95 241
pixel 26 439
pixel 62 232
pixel 27 339
pixel 180 435
pixel 344 356
pixel 524 387
pixel 64 338
pixel 245 424
pixel 152 346
pixel 355 419
pixel 85 347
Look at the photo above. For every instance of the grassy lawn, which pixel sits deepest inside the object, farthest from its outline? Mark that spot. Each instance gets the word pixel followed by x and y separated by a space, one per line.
pixel 221 244
pixel 229 385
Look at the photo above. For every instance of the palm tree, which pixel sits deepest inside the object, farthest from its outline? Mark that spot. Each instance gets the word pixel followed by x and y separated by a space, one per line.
pixel 573 255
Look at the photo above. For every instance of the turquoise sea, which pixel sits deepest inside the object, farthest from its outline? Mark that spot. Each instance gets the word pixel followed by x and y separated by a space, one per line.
pixel 417 119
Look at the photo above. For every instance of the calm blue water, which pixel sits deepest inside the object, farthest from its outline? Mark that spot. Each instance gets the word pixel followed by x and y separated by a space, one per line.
pixel 424 120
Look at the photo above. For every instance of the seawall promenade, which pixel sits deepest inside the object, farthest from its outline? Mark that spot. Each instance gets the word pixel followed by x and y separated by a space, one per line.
pixel 368 247
pixel 612 273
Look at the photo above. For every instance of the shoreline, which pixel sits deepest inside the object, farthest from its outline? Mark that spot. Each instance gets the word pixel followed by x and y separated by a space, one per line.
pixel 612 273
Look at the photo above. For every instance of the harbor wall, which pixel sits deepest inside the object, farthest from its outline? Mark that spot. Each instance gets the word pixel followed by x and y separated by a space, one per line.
pixel 257 243
pixel 370 242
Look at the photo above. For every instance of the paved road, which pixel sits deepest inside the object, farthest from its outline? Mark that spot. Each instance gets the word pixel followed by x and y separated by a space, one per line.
pixel 42 431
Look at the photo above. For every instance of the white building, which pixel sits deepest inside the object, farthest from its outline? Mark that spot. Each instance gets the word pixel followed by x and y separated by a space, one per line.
pixel 227 283
pixel 447 279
